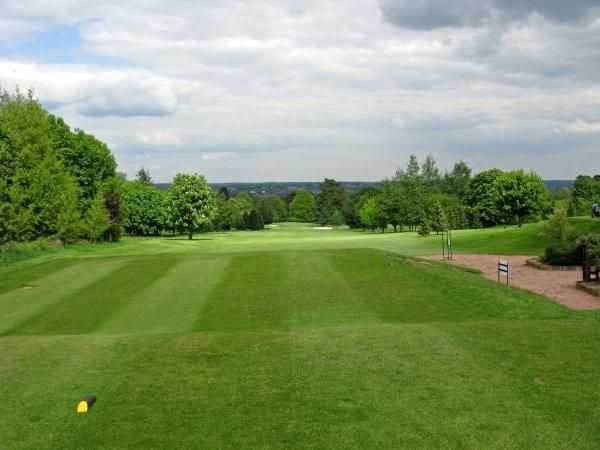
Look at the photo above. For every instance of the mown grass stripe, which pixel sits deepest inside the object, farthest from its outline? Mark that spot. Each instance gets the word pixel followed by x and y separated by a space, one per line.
pixel 87 309
pixel 249 296
pixel 172 303
pixel 317 292
pixel 20 305
pixel 13 277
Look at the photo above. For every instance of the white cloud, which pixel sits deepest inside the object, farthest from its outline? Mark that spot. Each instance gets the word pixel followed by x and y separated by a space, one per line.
pixel 319 87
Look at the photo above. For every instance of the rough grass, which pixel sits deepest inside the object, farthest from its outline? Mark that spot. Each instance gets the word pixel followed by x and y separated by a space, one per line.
pixel 220 345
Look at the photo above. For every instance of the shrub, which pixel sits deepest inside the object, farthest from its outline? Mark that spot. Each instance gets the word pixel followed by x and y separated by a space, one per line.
pixel 590 246
pixel 558 227
pixel 564 253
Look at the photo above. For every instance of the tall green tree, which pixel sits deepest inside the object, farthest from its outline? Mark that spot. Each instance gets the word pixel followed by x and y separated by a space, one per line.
pixel 522 196
pixel 143 176
pixel 97 219
pixel 254 221
pixel 40 159
pixel 438 218
pixel 303 207
pixel 484 197
pixel 431 174
pixel 332 198
pixel 372 215
pixel 191 203
pixel 69 225
pixel 457 181
pixel 87 159
pixel 145 207
pixel 586 191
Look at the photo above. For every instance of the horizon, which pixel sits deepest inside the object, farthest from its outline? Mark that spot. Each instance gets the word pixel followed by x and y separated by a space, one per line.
pixel 290 90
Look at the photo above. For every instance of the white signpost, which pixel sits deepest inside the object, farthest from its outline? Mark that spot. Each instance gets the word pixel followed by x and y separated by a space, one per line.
pixel 504 269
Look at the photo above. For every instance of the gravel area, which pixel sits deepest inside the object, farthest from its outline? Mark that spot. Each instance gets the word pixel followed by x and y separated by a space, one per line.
pixel 556 285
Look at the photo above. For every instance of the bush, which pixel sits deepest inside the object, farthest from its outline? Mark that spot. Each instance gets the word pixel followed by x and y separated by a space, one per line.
pixel 590 248
pixel 559 229
pixel 564 254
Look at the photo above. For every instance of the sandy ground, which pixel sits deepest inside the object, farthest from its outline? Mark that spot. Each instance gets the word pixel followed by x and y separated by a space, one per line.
pixel 556 285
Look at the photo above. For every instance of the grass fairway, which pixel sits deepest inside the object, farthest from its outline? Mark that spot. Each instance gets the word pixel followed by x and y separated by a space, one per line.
pixel 289 339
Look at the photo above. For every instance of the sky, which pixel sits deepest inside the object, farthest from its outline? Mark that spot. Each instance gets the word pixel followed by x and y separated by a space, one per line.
pixel 266 90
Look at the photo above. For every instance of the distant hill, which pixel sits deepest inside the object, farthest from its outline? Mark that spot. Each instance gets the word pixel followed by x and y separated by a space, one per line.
pixel 284 188
pixel 279 188
pixel 555 185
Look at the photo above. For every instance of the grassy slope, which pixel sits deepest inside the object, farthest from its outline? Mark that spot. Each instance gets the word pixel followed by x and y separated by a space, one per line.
pixel 527 240
pixel 210 344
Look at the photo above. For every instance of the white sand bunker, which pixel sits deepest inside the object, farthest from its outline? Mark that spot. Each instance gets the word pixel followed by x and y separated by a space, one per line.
pixel 323 228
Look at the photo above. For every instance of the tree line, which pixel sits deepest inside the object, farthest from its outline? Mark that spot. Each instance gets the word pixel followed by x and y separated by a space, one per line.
pixel 61 182
pixel 54 181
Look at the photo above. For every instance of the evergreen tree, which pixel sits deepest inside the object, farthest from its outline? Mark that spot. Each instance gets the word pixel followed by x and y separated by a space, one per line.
pixel 332 197
pixel 254 221
pixel 438 218
pixel 424 228
pixel 431 174
pixel 143 176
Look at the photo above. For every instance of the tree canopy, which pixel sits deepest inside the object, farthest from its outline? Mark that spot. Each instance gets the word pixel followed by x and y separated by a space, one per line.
pixel 191 203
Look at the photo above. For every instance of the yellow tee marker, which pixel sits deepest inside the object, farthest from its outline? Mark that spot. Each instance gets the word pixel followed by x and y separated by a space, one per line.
pixel 85 404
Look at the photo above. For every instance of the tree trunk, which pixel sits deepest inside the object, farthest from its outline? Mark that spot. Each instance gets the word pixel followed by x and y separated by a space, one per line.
pixel 190 235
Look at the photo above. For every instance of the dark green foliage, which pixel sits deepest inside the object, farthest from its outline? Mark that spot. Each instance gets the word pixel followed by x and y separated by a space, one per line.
pixel 303 207
pixel 224 193
pixel 563 254
pixel 332 198
pixel 424 227
pixel 253 221
pixel 563 248
pixel 114 206
pixel 272 208
pixel 590 245
pixel 431 174
pixel 457 182
pixel 439 222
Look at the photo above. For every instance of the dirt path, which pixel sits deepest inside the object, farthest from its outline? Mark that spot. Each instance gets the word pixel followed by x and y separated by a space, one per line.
pixel 556 285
